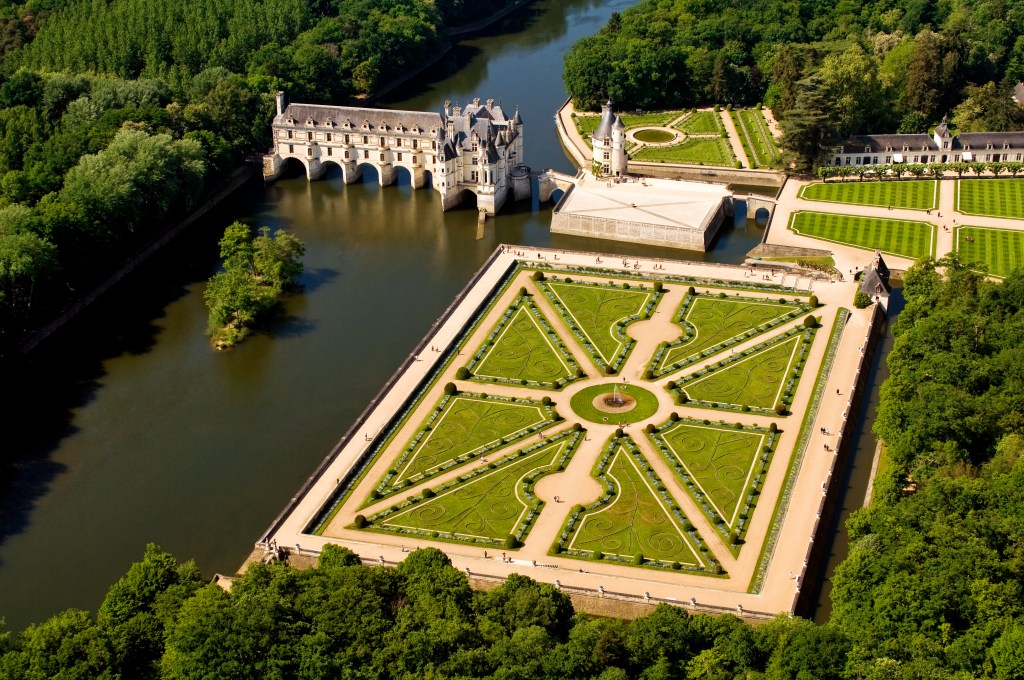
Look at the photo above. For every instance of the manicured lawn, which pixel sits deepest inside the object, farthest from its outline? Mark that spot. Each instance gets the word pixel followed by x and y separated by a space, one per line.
pixel 492 503
pixel 756 380
pixel 991 197
pixel 646 404
pixel 464 426
pixel 635 520
pixel 701 123
pixel 721 462
pixel 915 195
pixel 654 118
pixel 586 125
pixel 756 138
pixel 709 322
pixel 522 347
pixel 1001 249
pixel 655 136
pixel 905 238
pixel 600 313
pixel 693 151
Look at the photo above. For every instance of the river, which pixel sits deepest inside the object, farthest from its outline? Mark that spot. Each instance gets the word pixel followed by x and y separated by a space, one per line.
pixel 129 429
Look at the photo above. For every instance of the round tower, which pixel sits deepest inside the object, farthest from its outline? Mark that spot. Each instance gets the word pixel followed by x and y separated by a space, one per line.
pixel 602 141
pixel 619 159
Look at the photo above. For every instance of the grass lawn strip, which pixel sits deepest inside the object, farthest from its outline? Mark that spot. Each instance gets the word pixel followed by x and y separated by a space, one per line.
pixel 799 450
pixel 692 151
pixel 991 197
pixel 1001 250
pixel 599 313
pixel 636 516
pixel 523 349
pixel 915 195
pixel 720 466
pixel 701 123
pixel 903 238
pixel 758 368
pixel 711 324
pixel 755 137
pixel 487 504
pixel 463 426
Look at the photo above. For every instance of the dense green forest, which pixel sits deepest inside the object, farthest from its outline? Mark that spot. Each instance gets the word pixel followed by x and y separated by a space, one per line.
pixel 117 117
pixel 827 69
pixel 931 589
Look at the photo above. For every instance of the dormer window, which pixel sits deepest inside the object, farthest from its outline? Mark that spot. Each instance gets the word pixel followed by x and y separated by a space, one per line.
pixel 290 120
pixel 366 125
pixel 867 149
pixel 310 121
pixel 329 123
pixel 416 129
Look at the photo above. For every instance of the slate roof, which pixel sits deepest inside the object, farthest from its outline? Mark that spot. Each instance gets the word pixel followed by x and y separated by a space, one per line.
pixel 979 141
pixel 604 128
pixel 889 143
pixel 321 114
pixel 875 279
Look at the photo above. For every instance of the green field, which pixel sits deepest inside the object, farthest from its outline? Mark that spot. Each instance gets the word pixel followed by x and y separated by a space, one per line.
pixel 493 502
pixel 915 195
pixel 635 520
pixel 693 151
pixel 708 322
pixel 701 123
pixel 599 314
pixel 463 426
pixel 756 138
pixel 522 349
pixel 722 463
pixel 904 238
pixel 756 380
pixel 991 197
pixel 645 404
pixel 654 118
pixel 654 136
pixel 1002 250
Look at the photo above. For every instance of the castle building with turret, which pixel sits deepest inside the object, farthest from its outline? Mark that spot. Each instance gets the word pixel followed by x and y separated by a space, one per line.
pixel 477 149
pixel 609 142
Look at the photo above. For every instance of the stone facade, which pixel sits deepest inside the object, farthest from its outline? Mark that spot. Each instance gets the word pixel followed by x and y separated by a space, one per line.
pixel 942 146
pixel 609 140
pixel 477 149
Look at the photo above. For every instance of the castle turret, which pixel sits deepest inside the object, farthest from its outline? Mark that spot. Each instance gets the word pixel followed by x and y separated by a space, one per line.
pixel 619 159
pixel 602 140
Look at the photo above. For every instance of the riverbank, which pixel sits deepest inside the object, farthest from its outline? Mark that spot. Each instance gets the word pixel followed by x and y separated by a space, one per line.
pixel 237 179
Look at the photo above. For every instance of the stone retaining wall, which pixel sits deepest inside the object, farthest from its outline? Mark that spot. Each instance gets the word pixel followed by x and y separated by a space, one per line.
pixel 703 173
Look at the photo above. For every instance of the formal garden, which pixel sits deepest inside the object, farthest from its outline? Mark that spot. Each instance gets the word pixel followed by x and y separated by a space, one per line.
pixel 712 322
pixel 920 195
pixel 988 198
pixel 1000 250
pixel 757 140
pixel 905 238
pixel 518 441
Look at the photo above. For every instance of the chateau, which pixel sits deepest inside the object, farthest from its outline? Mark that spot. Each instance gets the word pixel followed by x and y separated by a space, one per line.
pixel 609 140
pixel 477 149
pixel 940 147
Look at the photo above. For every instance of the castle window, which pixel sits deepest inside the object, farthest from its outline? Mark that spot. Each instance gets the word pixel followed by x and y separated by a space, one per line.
pixel 472 176
pixel 382 141
pixel 474 145
pixel 433 145
pixel 888 160
pixel 309 151
pixel 346 155
pixel 433 159
pixel 399 155
pixel 328 136
pixel 366 140
pixel 398 142
pixel 366 155
pixel 607 155
pixel 291 148
pixel 382 158
pixel 415 144
pixel 330 151
pixel 347 139
pixel 290 134
pixel 474 160
pixel 309 136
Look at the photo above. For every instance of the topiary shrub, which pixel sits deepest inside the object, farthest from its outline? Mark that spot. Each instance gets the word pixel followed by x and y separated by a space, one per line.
pixel 733 538
pixel 511 543
pixel 428 493
pixel 861 299
pixel 648 374
pixel 625 286
pixel 691 291
pixel 780 408
pixel 683 398
pixel 673 417
pixel 677 566
pixel 450 389
pixel 577 427
pixel 598 555
pixel 658 286
pixel 649 429
pixel 810 321
pixel 772 427
pixel 546 400
pixel 610 370
pixel 638 559
pixel 813 301
pixel 462 373
pixel 619 432
pixel 359 522
pixel 580 373
pixel 782 301
pixel 537 276
pixel 738 165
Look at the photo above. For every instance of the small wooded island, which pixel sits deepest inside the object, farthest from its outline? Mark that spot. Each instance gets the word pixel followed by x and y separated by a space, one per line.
pixel 257 270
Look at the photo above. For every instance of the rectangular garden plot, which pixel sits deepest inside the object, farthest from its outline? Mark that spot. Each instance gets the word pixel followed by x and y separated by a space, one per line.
pixel 991 197
pixel 761 379
pixel 1001 250
pixel 905 238
pixel 493 504
pixel 598 314
pixel 916 195
pixel 720 466
pixel 522 349
pixel 713 323
pixel 462 427
pixel 635 521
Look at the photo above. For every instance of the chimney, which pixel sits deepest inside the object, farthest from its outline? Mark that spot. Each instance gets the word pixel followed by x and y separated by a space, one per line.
pixel 490 103
pixel 280 102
